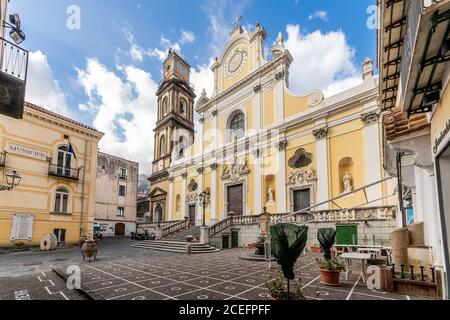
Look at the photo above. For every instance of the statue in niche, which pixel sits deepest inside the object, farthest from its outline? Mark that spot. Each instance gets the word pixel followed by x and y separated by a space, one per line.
pixel 226 172
pixel 243 168
pixel 270 195
pixel 347 179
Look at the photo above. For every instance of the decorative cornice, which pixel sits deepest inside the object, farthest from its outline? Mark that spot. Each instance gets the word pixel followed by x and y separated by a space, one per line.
pixel 320 133
pixel 370 117
pixel 281 145
pixel 213 166
pixel 280 75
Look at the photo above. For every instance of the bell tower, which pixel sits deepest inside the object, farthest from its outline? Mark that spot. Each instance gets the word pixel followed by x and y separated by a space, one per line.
pixel 175 119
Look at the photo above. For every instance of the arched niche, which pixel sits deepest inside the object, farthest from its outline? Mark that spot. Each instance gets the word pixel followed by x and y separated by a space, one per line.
pixel 346 165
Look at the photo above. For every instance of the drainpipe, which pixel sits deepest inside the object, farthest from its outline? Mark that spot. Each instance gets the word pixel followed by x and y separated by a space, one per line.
pixel 82 188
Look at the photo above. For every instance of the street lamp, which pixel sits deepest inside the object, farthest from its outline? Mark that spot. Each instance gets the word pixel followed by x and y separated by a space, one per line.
pixel 12 180
pixel 203 197
pixel 16 33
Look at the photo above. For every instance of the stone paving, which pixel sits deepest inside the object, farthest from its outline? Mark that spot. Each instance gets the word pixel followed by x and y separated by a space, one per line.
pixel 216 276
pixel 125 273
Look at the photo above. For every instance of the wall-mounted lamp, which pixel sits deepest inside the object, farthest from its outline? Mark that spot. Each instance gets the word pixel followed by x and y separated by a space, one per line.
pixel 12 180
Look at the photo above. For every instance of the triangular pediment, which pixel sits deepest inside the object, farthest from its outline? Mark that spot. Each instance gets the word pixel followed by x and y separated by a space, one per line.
pixel 157 192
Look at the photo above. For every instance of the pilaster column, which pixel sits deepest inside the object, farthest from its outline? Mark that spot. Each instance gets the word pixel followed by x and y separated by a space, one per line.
pixel 279 97
pixel 257 108
pixel 199 218
pixel 372 155
pixel 213 196
pixel 257 182
pixel 170 204
pixel 281 177
pixel 323 180
pixel 183 196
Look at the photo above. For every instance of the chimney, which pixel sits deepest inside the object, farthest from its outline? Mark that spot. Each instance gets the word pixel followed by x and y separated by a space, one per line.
pixel 367 69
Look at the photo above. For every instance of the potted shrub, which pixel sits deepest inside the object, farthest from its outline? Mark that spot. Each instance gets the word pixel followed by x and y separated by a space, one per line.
pixel 287 243
pixel 330 267
pixel 278 290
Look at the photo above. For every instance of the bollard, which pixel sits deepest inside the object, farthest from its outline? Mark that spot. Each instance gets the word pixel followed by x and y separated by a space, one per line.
pixel 393 271
pixel 188 249
pixel 411 268
pixel 403 271
pixel 421 272
pixel 433 275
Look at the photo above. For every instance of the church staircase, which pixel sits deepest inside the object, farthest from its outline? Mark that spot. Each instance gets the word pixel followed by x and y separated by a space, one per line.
pixel 176 242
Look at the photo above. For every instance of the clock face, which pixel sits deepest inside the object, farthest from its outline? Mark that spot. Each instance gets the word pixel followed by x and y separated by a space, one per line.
pixel 235 61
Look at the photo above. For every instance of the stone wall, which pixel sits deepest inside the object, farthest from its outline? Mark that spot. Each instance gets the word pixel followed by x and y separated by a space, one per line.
pixel 376 232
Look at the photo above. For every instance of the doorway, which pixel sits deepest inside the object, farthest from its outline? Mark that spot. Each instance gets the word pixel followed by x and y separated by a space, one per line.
pixel 60 235
pixel 192 215
pixel 302 199
pixel 119 230
pixel 347 235
pixel 235 197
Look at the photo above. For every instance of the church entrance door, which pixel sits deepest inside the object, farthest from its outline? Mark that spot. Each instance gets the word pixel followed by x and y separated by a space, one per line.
pixel 302 199
pixel 192 215
pixel 235 199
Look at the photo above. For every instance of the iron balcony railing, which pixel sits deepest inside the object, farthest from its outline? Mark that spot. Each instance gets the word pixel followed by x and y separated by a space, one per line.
pixel 2 159
pixel 63 172
pixel 13 60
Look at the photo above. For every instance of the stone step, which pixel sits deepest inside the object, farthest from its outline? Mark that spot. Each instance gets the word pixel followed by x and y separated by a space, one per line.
pixel 174 246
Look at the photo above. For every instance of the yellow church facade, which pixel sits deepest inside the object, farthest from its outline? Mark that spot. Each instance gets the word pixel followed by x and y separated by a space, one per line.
pixel 259 146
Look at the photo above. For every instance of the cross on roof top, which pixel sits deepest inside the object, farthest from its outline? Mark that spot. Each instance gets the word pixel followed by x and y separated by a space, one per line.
pixel 237 22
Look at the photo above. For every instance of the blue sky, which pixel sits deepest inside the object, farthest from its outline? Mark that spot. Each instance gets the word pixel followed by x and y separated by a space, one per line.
pixel 105 74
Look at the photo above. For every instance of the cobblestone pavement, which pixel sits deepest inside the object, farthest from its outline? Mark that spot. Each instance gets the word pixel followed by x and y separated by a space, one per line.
pixel 124 273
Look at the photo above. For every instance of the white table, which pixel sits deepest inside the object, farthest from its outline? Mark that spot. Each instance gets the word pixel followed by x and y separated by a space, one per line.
pixel 350 256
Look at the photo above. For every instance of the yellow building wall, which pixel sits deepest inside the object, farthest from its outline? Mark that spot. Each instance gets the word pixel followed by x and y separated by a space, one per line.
pixel 346 140
pixel 294 105
pixel 440 117
pixel 36 192
pixel 268 109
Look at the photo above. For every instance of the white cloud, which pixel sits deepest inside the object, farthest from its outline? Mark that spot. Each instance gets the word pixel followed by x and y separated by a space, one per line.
pixel 187 37
pixel 124 105
pixel 321 61
pixel 42 88
pixel 320 14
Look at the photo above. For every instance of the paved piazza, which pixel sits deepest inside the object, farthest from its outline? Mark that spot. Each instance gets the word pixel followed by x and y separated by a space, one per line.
pixel 124 273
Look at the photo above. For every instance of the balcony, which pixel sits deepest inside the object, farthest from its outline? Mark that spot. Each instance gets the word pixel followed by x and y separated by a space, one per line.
pixel 3 159
pixel 13 78
pixel 424 61
pixel 62 172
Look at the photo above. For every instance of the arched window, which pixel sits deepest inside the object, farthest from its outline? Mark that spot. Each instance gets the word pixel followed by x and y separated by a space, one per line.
pixel 183 106
pixel 61 200
pixel 165 106
pixel 237 125
pixel 182 146
pixel 162 146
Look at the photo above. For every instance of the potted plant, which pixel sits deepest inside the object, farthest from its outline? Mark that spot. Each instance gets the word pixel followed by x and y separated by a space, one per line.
pixel 330 267
pixel 287 243
pixel 315 249
pixel 278 290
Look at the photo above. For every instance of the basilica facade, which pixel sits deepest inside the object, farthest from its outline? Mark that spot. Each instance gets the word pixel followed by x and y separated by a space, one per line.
pixel 257 144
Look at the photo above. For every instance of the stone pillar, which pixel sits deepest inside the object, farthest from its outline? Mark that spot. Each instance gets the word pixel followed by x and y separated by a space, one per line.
pixel 199 215
pixel 213 196
pixel 372 155
pixel 257 108
pixel 279 97
pixel 323 179
pixel 170 204
pixel 257 182
pixel 159 233
pixel 183 196
pixel 280 193
pixel 204 235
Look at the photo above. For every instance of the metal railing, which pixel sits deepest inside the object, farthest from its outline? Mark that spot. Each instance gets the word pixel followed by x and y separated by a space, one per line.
pixel 63 172
pixel 3 159
pixel 13 60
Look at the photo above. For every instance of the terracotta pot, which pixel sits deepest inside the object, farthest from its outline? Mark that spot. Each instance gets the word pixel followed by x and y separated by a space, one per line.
pixel 329 277
pixel 315 249
pixel 292 296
